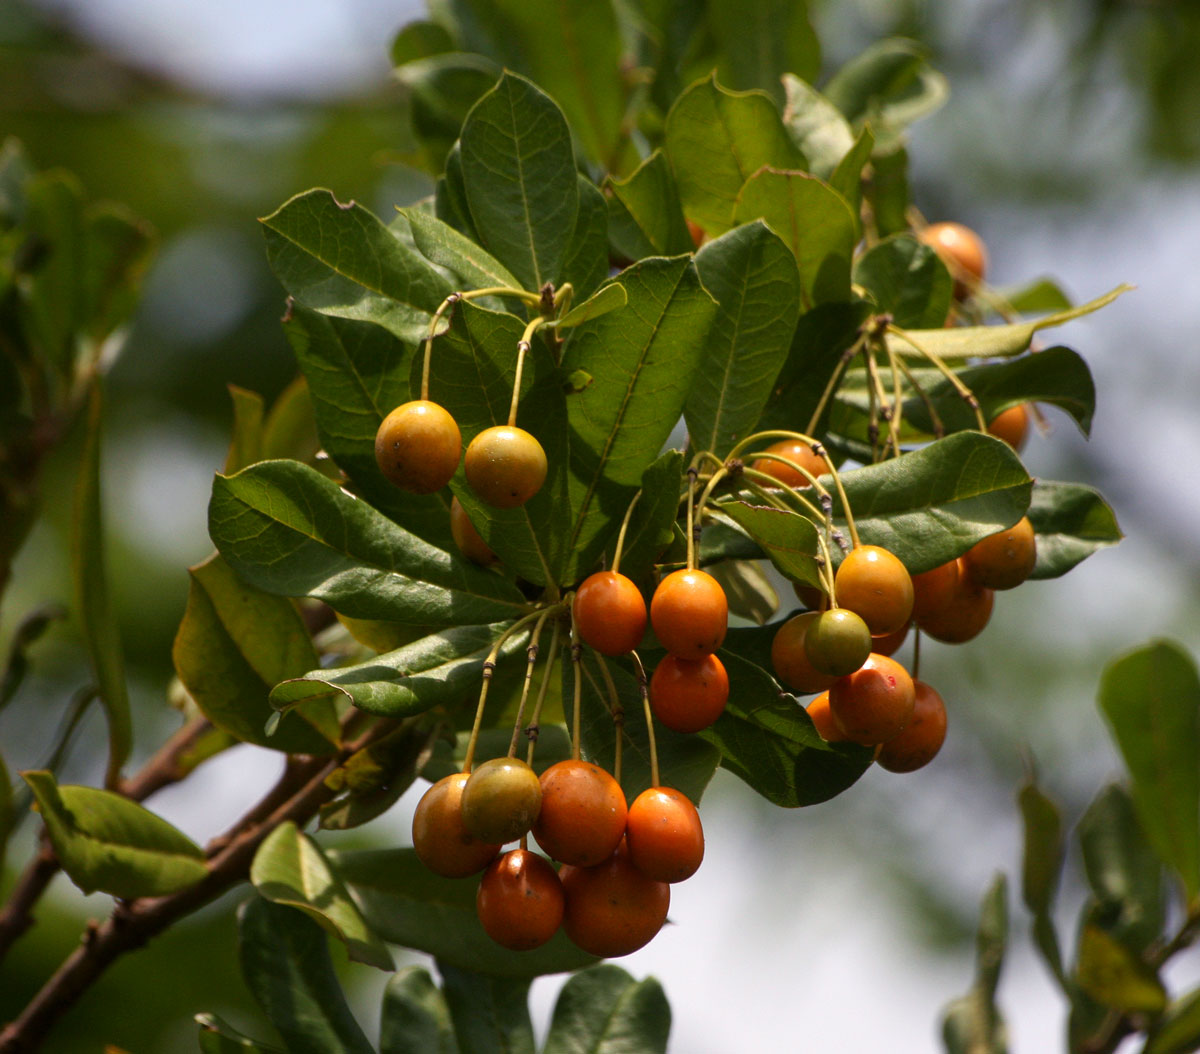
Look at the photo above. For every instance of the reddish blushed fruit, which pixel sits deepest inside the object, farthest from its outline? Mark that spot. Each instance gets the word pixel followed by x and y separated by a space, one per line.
pixel 934 589
pixel 838 642
pixel 1011 425
pixel 822 719
pixel 965 616
pixel 469 541
pixel 583 813
pixel 664 835
pixel 687 695
pixel 794 450
pixel 417 446
pixel 442 843
pixel 689 614
pixel 875 703
pixel 613 908
pixel 609 613
pixel 874 583
pixel 500 800
pixel 520 901
pixel 505 466
pixel 962 251
pixel 1005 559
pixel 790 660
pixel 919 743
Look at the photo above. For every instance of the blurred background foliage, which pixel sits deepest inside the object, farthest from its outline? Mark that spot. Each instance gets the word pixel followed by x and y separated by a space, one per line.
pixel 1070 143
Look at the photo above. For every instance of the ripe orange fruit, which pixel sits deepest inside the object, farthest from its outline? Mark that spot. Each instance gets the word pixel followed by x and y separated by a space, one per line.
pixel 505 466
pixel 1005 559
pixel 790 660
pixel 689 614
pixel 609 613
pixel 873 583
pixel 417 446
pixel 794 450
pixel 934 589
pixel 875 703
pixel 665 839
pixel 442 843
pixel 962 250
pixel 918 744
pixel 965 616
pixel 520 901
pixel 583 813
pixel 889 643
pixel 613 908
pixel 1011 425
pixel 469 541
pixel 500 800
pixel 822 719
pixel 688 695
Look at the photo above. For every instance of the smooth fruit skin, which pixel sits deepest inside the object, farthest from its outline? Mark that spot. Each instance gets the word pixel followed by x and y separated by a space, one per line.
pixel 689 614
pixel 469 541
pixel 664 835
pixel 794 450
pixel 962 251
pixel 417 446
pixel 520 901
pixel 889 643
pixel 583 813
pixel 822 719
pixel 1011 425
pixel 875 703
pixel 613 909
pixel 687 695
pixel 501 800
pixel 919 743
pixel 874 583
pixel 965 616
pixel 790 659
pixel 933 590
pixel 505 466
pixel 442 843
pixel 838 642
pixel 1005 559
pixel 609 613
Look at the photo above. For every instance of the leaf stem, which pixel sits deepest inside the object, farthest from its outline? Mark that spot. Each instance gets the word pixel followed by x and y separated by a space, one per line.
pixel 522 349
pixel 531 652
pixel 644 688
pixel 616 565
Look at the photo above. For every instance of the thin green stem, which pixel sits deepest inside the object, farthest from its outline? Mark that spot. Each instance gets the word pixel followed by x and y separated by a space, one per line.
pixel 577 662
pixel 618 715
pixel 691 534
pixel 531 652
pixel 964 392
pixel 831 385
pixel 644 688
pixel 616 566
pixel 547 673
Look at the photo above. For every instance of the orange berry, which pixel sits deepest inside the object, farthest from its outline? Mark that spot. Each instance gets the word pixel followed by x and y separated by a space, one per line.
pixel 922 738
pixel 874 703
pixel 442 843
pixel 1011 425
pixel 469 541
pixel 962 251
pixel 1005 559
pixel 687 695
pixel 873 583
pixel 417 446
pixel 794 450
pixel 790 659
pixel 965 616
pixel 822 719
pixel 609 613
pixel 689 614
pixel 665 839
pixel 520 901
pixel 505 466
pixel 613 908
pixel 583 813
pixel 934 589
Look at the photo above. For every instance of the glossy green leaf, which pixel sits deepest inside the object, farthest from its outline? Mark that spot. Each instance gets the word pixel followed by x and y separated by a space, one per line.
pixel 716 140
pixel 286 964
pixel 289 868
pixel 641 360
pixel 519 179
pixel 234 645
pixel 108 843
pixel 748 589
pixel 406 903
pixel 908 280
pixel 888 190
pixel 245 445
pixel 933 504
pixel 1178 1030
pixel 1041 867
pixel 288 530
pixel 767 739
pixel 973 1024
pixel 290 427
pixel 752 275
pixel 219 1037
pixel 441 90
pixel 1072 522
pixel 762 40
pixel 415 1017
pixel 341 260
pixel 92 597
pixel 813 220
pixel 989 342
pixel 602 1010
pixel 490 1013
pixel 817 126
pixel 847 177
pixel 443 245
pixel 450 196
pixel 608 299
pixel 788 539
pixel 441 669
pixel 645 217
pixel 586 263
pixel 1151 701
pixel 1037 297
pixel 419 40
pixel 1112 975
pixel 1122 871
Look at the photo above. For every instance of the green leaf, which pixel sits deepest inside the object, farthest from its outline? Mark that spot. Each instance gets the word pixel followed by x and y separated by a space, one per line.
pixel 716 140
pixel 490 1013
pixel 652 520
pixel 762 40
pixel 27 633
pixel 816 125
pixel 608 299
pixel 290 428
pixel 586 262
pixel 245 445
pixel 1071 522
pixel 519 179
pixel 419 40
pixel 602 1010
pixel 1112 975
pixel 788 539
pixel 1125 876
pixel 450 196
pixel 415 1019
pixel 814 221
pixel 1041 867
pixel 767 739
pixel 973 1023
pixel 908 280
pixel 93 600
pixel 117 251
pixel 54 299
pixel 887 190
pixel 235 643
pixel 753 277
pixel 441 90
pixel 1178 1030
pixel 645 217
pixel 108 843
pixel 341 260
pixel 933 504
pixel 847 177
pixel 748 589
pixel 286 965
pixel 218 1037
pixel 443 245
pixel 288 530
pixel 406 903
pixel 1037 297
pixel 289 868
pixel 1151 701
